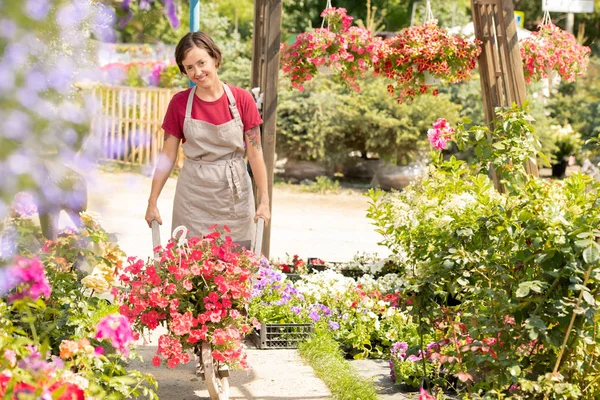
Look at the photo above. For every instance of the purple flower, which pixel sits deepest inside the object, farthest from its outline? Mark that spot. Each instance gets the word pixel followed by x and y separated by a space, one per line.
pixel 399 347
pixel 334 325
pixel 8 29
pixel 23 205
pixel 8 280
pixel 325 309
pixel 392 370
pixel 295 310
pixel 171 13
pixel 37 9
pixel 314 316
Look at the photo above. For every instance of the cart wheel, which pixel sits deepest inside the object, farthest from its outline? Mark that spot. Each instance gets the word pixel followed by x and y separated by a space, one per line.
pixel 217 383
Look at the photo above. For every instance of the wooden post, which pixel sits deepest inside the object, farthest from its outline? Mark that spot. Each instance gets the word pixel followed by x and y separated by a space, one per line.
pixel 265 75
pixel 500 65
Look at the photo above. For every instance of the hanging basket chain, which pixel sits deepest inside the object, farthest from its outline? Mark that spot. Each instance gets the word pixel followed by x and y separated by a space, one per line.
pixel 428 13
pixel 328 5
pixel 546 20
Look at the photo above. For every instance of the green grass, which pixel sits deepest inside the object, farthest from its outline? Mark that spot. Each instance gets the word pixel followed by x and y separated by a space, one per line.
pixel 325 357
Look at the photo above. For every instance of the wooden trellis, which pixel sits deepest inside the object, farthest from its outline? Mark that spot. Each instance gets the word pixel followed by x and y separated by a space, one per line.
pixel 502 79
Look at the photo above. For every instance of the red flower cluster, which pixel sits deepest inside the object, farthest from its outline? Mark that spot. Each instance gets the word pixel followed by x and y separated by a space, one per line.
pixel 57 390
pixel 198 292
pixel 297 266
pixel 553 49
pixel 417 50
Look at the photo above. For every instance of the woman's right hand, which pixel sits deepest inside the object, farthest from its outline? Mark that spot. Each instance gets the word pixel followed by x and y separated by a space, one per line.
pixel 152 213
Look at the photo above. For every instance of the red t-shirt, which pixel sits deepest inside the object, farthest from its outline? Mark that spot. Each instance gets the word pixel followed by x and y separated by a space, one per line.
pixel 215 112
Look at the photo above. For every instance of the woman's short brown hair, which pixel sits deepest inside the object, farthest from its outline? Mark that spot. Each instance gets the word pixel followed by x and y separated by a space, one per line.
pixel 196 39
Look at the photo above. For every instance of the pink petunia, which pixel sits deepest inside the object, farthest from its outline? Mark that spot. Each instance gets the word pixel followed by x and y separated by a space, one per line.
pixel 117 329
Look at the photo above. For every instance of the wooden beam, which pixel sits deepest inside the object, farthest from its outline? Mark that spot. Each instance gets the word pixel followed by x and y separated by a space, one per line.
pixel 500 65
pixel 265 75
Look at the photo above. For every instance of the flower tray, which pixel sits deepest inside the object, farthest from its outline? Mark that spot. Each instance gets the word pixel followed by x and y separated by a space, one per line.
pixel 281 336
pixel 315 264
pixel 352 272
pixel 293 277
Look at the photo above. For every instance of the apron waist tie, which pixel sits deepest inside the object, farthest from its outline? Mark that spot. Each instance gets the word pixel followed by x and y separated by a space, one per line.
pixel 233 178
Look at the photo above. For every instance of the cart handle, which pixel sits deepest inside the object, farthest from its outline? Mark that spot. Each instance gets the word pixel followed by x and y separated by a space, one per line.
pixel 258 238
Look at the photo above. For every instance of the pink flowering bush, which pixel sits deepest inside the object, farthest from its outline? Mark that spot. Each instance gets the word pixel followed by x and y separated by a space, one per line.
pixel 553 49
pixel 198 292
pixel 348 50
pixel 424 49
pixel 58 338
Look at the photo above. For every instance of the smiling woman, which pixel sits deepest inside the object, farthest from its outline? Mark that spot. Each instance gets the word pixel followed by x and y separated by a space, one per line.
pixel 216 123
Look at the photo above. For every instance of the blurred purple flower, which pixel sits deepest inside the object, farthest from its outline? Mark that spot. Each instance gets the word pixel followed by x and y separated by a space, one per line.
pixel 334 325
pixel 72 14
pixel 145 4
pixel 295 310
pixel 23 205
pixel 123 21
pixel 314 315
pixel 171 13
pixel 325 309
pixel 8 279
pixel 15 55
pixel 16 125
pixel 8 29
pixel 7 77
pixel 27 98
pixel 37 9
pixel 103 24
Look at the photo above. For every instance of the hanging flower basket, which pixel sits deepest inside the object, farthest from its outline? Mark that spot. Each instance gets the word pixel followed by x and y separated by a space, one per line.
pixel 550 50
pixel 423 50
pixel 344 49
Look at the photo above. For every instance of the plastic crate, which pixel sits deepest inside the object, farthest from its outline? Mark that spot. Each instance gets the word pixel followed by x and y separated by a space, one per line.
pixel 282 336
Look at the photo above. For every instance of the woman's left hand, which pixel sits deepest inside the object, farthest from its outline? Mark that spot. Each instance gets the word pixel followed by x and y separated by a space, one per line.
pixel 263 212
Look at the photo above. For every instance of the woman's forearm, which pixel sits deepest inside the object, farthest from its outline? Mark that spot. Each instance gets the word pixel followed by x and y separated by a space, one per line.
pixel 257 163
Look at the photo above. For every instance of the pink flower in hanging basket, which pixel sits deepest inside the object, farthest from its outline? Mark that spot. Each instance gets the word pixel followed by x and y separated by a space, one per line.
pixel 420 50
pixel 346 50
pixel 553 49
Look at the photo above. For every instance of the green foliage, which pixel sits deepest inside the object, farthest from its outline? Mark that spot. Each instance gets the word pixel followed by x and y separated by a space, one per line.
pixel 151 26
pixel 323 185
pixel 502 279
pixel 328 121
pixel 578 104
pixel 325 357
pixel 304 121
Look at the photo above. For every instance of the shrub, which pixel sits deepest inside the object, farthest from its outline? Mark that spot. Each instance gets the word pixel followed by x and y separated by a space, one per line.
pixel 507 282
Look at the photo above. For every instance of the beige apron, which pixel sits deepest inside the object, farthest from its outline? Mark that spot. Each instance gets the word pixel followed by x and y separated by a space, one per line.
pixel 214 186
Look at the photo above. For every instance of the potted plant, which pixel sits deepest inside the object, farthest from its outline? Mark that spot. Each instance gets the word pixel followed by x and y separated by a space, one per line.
pixel 553 50
pixel 419 53
pixel 567 143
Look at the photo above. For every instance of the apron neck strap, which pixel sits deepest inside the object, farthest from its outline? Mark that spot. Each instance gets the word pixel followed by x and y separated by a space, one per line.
pixel 188 109
pixel 233 108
